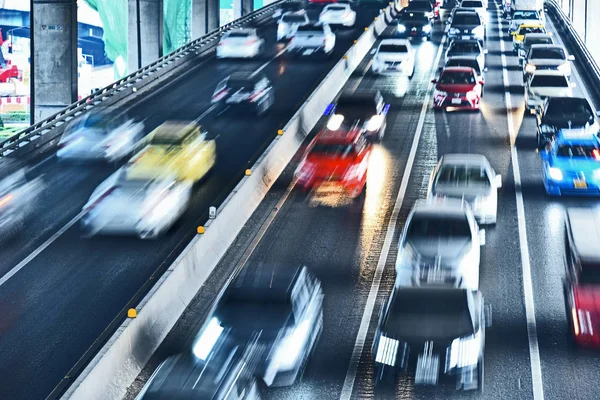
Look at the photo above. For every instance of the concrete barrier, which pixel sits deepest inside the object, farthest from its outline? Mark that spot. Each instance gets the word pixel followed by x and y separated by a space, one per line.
pixel 119 362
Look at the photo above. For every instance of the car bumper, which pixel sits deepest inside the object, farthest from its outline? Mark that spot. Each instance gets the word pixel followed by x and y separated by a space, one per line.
pixel 237 52
pixel 464 36
pixel 381 68
pixel 450 102
pixel 122 226
pixel 331 186
pixel 414 34
pixel 567 188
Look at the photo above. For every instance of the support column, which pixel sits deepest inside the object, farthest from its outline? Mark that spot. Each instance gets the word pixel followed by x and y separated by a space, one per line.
pixel 199 20
pixel 213 14
pixel 145 32
pixel 242 7
pixel 247 6
pixel 54 60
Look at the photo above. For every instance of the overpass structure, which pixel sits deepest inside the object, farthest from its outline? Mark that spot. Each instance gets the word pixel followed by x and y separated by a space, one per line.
pixel 67 297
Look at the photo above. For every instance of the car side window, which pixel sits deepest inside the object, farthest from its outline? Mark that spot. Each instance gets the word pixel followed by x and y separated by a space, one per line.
pixel 300 298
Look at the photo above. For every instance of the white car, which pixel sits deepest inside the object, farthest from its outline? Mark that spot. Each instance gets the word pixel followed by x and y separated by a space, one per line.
pixel 312 39
pixel 476 5
pixel 100 136
pixel 547 57
pixel 289 23
pixel 543 84
pixel 440 245
pixel 394 55
pixel 240 43
pixel 145 208
pixel 469 177
pixel 338 14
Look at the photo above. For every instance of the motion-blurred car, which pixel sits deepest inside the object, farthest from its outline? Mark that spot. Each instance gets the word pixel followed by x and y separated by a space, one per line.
pixel 530 40
pixel 99 136
pixel 433 331
pixel 423 6
pixel 282 304
pixel 466 25
pixel 440 245
pixel 227 373
pixel 125 204
pixel 287 6
pixel 564 113
pixel 571 163
pixel 459 88
pixel 524 17
pixel 337 159
pixel 547 57
pixel 312 39
pixel 414 24
pixel 393 56
pixel 176 148
pixel 289 23
pixel 18 198
pixel 543 84
pixel 469 177
pixel 466 48
pixel 476 5
pixel 366 110
pixel 240 43
pixel 523 30
pixel 242 91
pixel 338 14
pixel 582 275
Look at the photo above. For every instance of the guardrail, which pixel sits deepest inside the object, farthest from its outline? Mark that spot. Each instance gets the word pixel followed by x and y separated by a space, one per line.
pixel 591 68
pixel 43 135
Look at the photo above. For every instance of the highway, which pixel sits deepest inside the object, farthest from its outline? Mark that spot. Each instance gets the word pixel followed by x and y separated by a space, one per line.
pixel 352 247
pixel 59 291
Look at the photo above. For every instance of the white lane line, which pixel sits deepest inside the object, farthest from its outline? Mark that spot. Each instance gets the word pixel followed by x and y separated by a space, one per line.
pixel 534 351
pixel 390 231
pixel 252 75
pixel 205 113
pixel 37 251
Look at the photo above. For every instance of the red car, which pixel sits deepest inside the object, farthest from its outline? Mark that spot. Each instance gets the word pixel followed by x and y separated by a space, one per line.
pixel 336 157
pixel 582 278
pixel 459 88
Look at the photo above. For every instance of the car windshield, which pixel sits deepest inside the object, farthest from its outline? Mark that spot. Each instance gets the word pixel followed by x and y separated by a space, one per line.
pixel 463 175
pixel 96 121
pixel 293 18
pixel 549 81
pixel 565 105
pixel 457 78
pixel 419 5
pixel 425 225
pixel 466 19
pixel 472 4
pixel 332 150
pixel 525 15
pixel 336 8
pixel 454 62
pixel 590 273
pixel 548 53
pixel 464 48
pixel 537 40
pixel 415 17
pixel 310 30
pixel 525 30
pixel 393 48
pixel 579 151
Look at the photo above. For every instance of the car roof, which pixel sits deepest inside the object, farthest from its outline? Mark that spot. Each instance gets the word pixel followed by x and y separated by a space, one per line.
pixel 585 230
pixel 462 159
pixel 458 69
pixel 444 206
pixel 271 280
pixel 359 95
pixel 397 42
pixel 174 130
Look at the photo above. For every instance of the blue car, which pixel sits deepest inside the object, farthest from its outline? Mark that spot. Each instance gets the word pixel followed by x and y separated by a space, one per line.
pixel 571 164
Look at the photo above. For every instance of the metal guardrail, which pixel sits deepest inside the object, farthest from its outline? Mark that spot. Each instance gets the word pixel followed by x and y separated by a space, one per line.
pixel 28 139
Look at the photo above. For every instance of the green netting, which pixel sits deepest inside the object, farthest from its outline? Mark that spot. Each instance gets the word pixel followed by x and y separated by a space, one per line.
pixel 176 24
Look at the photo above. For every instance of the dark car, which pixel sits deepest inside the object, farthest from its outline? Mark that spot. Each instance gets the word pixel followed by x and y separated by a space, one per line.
pixel 366 110
pixel 423 6
pixel 466 25
pixel 284 305
pixel 244 91
pixel 564 113
pixel 432 331
pixel 415 24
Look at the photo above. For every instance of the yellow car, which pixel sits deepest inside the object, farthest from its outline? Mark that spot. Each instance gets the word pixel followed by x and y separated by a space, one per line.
pixel 176 148
pixel 524 29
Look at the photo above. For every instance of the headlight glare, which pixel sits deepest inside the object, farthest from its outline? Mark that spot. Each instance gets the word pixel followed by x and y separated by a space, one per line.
pixel 530 68
pixel 427 28
pixel 401 28
pixel 555 173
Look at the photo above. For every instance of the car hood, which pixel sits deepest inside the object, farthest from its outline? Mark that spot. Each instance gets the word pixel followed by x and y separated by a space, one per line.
pixel 546 62
pixel 455 88
pixel 467 193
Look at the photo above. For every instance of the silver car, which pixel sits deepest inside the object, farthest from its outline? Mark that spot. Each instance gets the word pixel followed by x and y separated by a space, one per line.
pixel 469 177
pixel 547 57
pixel 544 84
pixel 440 246
pixel 100 136
pixel 289 23
pixel 146 208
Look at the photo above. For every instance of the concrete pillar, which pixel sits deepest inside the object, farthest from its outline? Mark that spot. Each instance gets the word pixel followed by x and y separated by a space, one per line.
pixel 150 28
pixel 54 61
pixel 199 20
pixel 213 14
pixel 242 7
pixel 247 6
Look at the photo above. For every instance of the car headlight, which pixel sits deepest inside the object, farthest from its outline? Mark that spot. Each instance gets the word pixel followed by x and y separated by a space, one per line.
pixel 464 352
pixel 335 122
pixel 208 339
pixel 374 123
pixel 454 31
pixel 401 28
pixel 597 174
pixel 427 28
pixel 387 349
pixel 291 346
pixel 555 173
pixel 564 67
pixel 530 68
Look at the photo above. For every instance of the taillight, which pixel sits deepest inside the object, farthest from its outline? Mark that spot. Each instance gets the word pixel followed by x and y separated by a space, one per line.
pixel 101 198
pixel 596 154
pixel 251 41
pixel 6 199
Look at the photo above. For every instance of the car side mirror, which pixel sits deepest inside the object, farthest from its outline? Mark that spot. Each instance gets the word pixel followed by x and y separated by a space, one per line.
pixel 498 181
pixel 482 237
pixel 482 82
pixel 485 51
pixel 434 81
pixel 571 57
pixel 487 315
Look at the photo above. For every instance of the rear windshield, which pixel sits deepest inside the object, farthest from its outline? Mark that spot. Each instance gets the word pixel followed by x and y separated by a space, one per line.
pixel 550 81
pixel 310 29
pixel 332 150
pixel 466 19
pixel 464 63
pixel 336 8
pixel 393 48
pixel 239 34
pixel 578 151
pixel 472 4
pixel 590 274
pixel 418 17
pixel 462 175
pixel 294 18
pixel 457 78
pixel 526 30
pixel 548 53
pixel 562 106
pixel 436 226
pixel 96 121
pixel 464 47
pixel 419 5
pixel 537 40
pixel 237 84
pixel 525 15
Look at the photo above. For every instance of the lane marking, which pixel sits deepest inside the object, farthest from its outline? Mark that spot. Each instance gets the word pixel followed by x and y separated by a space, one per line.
pixel 43 247
pixel 534 351
pixel 390 231
pixel 252 75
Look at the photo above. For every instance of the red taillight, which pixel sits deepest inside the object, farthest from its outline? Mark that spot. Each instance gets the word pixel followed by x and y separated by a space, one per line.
pixel 101 198
pixel 596 154
pixel 6 199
